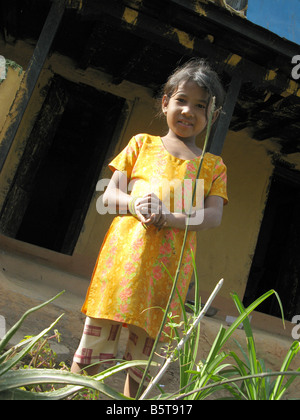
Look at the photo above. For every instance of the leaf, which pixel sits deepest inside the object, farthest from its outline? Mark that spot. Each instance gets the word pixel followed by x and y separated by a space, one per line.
pixel 21 395
pixel 238 379
pixel 15 328
pixel 278 391
pixel 6 366
pixel 25 377
pixel 245 314
pixel 214 357
pixel 19 378
pixel 250 345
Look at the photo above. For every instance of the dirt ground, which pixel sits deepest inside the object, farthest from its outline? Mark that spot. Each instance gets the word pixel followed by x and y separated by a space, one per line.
pixel 25 284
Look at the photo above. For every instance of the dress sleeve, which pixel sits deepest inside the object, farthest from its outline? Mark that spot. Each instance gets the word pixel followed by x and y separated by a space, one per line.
pixel 126 159
pixel 219 181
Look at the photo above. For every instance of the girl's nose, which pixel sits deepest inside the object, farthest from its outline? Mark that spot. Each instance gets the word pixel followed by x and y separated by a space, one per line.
pixel 187 110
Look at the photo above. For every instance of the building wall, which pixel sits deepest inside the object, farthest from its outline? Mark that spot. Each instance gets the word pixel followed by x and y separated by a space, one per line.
pixel 225 252
pixel 8 91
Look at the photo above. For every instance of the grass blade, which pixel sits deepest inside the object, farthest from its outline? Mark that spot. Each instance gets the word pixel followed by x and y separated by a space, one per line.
pixel 239 379
pixel 278 390
pixel 240 319
pixel 25 377
pixel 251 347
pixel 21 395
pixel 15 328
pixel 6 366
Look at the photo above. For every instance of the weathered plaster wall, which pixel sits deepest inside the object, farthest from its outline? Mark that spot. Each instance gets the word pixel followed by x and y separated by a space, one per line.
pixel 8 90
pixel 226 252
pixel 14 83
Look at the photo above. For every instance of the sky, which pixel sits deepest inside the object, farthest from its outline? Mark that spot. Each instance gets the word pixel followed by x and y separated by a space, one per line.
pixel 279 16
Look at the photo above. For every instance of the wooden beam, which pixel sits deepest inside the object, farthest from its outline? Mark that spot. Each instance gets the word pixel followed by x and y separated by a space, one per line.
pixel 235 25
pixel 130 15
pixel 220 130
pixel 32 74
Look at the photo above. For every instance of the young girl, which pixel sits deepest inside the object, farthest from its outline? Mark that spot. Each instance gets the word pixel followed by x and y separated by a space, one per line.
pixel 130 284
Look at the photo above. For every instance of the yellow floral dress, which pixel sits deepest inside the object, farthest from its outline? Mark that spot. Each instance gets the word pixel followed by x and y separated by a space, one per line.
pixel 130 282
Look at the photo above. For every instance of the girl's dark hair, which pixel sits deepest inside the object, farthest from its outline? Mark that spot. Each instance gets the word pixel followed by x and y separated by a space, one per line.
pixel 199 71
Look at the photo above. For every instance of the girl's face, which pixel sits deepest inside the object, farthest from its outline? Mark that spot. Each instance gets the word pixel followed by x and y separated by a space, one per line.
pixel 186 110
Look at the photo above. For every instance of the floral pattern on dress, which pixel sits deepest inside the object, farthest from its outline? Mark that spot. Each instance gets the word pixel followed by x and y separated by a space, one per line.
pixel 131 281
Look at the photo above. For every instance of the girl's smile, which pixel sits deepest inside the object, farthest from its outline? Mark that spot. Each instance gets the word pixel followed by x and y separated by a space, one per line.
pixel 185 123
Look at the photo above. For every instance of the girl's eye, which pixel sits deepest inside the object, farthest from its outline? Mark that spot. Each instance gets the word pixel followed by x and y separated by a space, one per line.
pixel 180 100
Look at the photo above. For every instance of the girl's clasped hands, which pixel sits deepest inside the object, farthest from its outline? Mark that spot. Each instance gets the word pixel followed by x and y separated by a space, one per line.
pixel 150 210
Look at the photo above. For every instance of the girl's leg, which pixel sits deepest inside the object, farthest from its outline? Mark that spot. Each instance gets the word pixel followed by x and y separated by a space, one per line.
pixel 99 342
pixel 131 387
pixel 139 347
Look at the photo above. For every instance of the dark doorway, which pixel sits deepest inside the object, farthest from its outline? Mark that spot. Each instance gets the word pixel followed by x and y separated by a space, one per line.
pixel 60 167
pixel 276 263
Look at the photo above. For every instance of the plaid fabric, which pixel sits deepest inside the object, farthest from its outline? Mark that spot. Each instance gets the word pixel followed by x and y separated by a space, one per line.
pixel 100 340
pixel 139 347
pixel 90 330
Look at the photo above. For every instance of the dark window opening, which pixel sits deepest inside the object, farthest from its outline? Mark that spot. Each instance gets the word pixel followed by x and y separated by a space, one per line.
pixel 61 165
pixel 276 263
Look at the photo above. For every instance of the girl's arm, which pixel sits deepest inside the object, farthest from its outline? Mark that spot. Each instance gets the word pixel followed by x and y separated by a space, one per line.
pixel 116 196
pixel 212 217
pixel 207 218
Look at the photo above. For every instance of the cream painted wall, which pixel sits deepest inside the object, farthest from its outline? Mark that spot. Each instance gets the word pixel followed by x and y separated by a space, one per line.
pixel 227 251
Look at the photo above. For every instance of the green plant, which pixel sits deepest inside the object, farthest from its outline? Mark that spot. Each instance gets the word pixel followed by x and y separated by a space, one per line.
pixel 260 388
pixel 213 375
pixel 213 366
pixel 198 380
pixel 42 355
